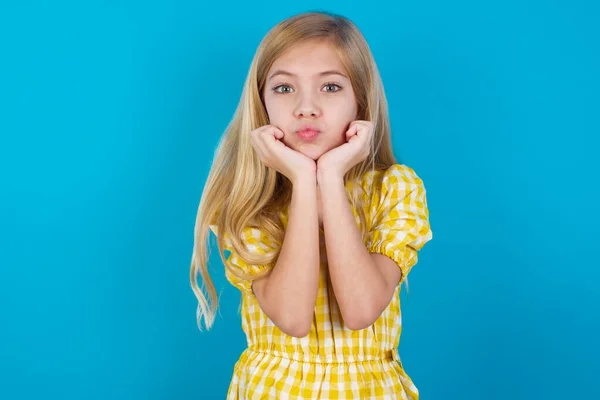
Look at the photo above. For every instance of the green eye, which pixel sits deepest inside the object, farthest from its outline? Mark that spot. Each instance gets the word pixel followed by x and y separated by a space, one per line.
pixel 277 89
pixel 333 85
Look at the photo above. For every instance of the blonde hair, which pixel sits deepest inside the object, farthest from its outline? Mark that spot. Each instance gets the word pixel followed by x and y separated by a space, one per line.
pixel 240 191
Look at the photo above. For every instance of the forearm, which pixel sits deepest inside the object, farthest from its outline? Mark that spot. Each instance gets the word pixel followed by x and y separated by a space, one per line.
pixel 289 294
pixel 356 280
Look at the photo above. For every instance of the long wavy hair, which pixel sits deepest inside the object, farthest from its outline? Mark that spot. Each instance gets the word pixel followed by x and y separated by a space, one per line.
pixel 240 191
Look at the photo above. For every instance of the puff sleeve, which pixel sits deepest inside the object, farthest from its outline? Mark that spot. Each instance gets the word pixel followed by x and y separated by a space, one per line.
pixel 400 226
pixel 255 241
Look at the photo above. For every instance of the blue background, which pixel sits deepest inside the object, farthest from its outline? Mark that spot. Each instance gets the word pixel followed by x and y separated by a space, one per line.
pixel 109 115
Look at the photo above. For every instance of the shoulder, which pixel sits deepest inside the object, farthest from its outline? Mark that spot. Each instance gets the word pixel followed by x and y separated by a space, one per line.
pixel 401 172
pixel 394 177
pixel 254 239
pixel 395 186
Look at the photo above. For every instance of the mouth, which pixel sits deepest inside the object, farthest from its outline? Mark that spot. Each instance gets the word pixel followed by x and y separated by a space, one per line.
pixel 307 134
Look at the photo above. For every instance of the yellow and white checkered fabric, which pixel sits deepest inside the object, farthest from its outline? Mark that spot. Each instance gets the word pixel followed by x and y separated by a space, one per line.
pixel 334 362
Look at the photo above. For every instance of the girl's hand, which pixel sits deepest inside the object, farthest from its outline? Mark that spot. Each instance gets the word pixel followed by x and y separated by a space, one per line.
pixel 339 160
pixel 267 143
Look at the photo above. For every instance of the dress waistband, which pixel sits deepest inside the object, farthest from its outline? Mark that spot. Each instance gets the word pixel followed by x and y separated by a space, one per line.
pixel 388 355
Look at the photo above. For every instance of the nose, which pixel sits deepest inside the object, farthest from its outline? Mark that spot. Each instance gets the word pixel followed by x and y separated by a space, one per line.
pixel 307 108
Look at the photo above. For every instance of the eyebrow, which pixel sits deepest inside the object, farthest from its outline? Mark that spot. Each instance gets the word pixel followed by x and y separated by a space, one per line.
pixel 324 73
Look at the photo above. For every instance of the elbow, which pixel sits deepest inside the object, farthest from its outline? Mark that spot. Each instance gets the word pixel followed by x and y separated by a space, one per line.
pixel 360 319
pixel 293 323
pixel 358 324
pixel 295 328
pixel 288 318
pixel 298 332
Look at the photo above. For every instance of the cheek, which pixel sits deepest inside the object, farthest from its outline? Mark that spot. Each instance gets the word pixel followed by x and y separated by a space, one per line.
pixel 275 111
pixel 344 115
pixel 340 121
pixel 347 108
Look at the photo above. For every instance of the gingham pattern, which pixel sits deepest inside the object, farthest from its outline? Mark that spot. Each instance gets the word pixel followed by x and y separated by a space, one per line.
pixel 334 362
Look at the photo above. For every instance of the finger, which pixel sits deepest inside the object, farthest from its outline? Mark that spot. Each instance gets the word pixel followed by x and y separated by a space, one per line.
pixel 257 139
pixel 363 130
pixel 278 133
pixel 270 130
pixel 273 146
pixel 353 130
pixel 357 142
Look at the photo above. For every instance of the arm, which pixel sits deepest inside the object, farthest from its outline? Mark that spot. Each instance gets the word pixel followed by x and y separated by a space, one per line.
pixel 288 294
pixel 363 283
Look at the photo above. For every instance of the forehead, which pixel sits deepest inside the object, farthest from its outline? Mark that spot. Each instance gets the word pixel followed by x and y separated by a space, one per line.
pixel 310 58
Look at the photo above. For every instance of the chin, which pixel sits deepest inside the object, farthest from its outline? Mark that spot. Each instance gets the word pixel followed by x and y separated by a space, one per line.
pixel 312 153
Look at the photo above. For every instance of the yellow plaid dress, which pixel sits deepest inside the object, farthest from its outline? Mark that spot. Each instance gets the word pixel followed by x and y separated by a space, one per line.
pixel 334 362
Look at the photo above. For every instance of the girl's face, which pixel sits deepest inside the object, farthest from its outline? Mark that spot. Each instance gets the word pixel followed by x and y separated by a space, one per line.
pixel 308 96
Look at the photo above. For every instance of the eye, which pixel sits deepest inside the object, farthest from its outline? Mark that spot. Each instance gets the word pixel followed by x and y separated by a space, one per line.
pixel 286 89
pixel 336 87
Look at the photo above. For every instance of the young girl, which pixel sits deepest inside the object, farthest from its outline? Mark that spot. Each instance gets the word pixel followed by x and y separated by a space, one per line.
pixel 321 223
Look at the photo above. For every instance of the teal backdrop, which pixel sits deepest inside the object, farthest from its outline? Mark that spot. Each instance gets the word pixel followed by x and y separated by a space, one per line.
pixel 109 115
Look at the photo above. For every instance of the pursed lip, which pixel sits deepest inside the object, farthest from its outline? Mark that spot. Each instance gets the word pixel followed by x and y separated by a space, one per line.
pixel 307 128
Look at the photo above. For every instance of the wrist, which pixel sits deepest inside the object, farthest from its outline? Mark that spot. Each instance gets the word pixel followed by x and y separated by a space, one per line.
pixel 329 177
pixel 303 179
